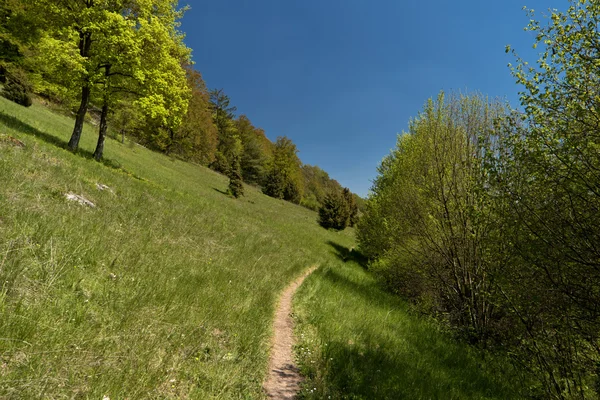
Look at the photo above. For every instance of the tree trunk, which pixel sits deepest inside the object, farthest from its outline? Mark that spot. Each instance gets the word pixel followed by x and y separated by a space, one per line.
pixel 79 120
pixel 102 132
pixel 85 41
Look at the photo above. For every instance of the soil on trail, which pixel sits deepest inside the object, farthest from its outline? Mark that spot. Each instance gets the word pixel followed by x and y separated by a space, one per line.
pixel 283 381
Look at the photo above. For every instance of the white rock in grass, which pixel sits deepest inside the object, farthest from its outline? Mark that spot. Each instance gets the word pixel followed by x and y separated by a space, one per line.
pixel 105 397
pixel 103 187
pixel 80 199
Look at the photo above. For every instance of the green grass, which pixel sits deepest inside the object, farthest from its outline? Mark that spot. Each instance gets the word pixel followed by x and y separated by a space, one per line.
pixel 357 342
pixel 166 289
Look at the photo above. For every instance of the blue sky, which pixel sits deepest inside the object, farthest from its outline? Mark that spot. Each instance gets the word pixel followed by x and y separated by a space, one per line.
pixel 342 78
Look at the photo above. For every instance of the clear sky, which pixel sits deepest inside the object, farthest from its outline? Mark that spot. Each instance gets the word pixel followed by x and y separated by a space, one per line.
pixel 342 78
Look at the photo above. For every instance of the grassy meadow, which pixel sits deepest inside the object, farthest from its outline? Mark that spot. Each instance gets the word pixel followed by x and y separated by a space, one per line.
pixel 166 289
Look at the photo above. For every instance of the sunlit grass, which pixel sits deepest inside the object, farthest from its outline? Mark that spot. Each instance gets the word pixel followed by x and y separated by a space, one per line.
pixel 166 289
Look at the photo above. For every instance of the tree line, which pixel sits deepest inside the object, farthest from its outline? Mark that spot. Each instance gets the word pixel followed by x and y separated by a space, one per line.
pixel 489 217
pixel 123 64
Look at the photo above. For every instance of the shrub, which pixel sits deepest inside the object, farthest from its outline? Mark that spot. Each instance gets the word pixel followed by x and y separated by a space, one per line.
pixel 17 88
pixel 335 211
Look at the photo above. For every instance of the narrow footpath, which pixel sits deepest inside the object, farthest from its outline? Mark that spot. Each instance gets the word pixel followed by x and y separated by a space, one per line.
pixel 283 380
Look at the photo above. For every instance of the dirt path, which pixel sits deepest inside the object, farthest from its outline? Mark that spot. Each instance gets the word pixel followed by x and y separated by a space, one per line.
pixel 283 381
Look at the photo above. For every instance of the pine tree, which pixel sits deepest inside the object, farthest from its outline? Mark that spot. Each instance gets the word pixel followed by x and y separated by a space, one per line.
pixel 236 188
pixel 335 211
pixel 352 207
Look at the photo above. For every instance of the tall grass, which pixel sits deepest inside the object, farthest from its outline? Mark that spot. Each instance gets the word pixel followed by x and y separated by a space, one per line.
pixel 357 342
pixel 166 289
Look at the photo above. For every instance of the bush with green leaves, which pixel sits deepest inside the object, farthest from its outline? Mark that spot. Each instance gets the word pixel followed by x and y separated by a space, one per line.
pixel 546 174
pixel 428 221
pixel 283 179
pixel 17 88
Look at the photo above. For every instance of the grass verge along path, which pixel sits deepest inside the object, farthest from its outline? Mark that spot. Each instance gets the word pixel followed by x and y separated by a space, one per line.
pixel 357 342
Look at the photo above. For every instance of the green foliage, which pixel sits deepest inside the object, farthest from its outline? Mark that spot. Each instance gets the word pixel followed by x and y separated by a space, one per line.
pixel 196 138
pixel 427 221
pixel 18 31
pixel 223 111
pixel 545 173
pixel 99 49
pixel 223 117
pixel 284 177
pixel 220 163
pixel 18 89
pixel 309 200
pixel 317 184
pixel 236 188
pixel 338 210
pixel 256 150
pixel 352 207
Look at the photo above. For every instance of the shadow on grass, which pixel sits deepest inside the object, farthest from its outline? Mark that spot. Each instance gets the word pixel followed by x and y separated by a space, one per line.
pixel 370 291
pixel 27 129
pixel 345 254
pixel 371 372
pixel 221 191
pixel 21 126
pixel 421 365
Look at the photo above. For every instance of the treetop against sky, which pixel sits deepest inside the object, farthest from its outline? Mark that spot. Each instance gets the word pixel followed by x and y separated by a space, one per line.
pixel 342 78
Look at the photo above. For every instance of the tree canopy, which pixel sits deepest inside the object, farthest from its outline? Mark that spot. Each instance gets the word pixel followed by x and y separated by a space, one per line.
pixel 488 217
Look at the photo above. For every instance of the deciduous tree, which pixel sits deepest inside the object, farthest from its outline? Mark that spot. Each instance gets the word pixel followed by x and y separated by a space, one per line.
pixel 284 177
pixel 548 172
pixel 90 44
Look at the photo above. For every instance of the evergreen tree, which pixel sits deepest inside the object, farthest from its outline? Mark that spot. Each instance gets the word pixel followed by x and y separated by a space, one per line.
pixel 234 171
pixel 236 188
pixel 220 163
pixel 335 211
pixel 223 116
pixel 352 207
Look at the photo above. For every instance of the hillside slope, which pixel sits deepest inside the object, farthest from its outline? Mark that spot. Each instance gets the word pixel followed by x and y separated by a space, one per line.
pixel 166 288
